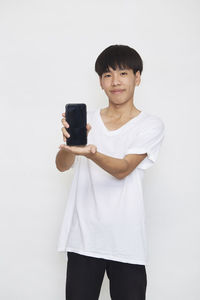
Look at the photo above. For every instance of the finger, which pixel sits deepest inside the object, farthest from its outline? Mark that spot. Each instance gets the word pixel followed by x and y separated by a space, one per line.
pixel 65 132
pixel 65 147
pixel 88 126
pixel 94 149
pixel 65 123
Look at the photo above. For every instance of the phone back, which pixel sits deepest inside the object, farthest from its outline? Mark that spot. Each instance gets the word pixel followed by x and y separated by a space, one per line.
pixel 76 116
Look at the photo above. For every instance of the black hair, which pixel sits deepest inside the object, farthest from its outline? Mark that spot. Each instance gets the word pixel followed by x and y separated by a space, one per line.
pixel 121 56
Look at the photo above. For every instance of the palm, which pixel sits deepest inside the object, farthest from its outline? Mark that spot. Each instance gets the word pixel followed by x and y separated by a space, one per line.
pixel 79 150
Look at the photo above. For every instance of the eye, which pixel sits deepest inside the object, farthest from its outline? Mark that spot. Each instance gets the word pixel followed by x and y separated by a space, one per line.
pixel 124 73
pixel 107 75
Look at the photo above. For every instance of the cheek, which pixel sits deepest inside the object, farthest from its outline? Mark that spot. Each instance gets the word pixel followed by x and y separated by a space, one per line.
pixel 131 86
pixel 129 91
pixel 106 85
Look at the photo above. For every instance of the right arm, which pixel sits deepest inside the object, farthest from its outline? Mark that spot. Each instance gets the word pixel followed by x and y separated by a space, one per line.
pixel 64 160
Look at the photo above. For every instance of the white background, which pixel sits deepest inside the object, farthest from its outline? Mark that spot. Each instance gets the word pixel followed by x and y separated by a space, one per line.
pixel 47 56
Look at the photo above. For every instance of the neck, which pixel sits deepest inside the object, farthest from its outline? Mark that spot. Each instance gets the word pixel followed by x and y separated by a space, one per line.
pixel 121 110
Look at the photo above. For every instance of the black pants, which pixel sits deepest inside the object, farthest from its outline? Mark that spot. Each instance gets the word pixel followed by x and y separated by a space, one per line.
pixel 85 276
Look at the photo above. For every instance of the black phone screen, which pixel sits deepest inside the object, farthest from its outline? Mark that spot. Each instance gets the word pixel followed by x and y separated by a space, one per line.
pixel 76 117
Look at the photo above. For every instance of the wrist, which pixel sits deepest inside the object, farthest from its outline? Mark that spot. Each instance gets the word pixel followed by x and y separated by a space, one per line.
pixel 90 155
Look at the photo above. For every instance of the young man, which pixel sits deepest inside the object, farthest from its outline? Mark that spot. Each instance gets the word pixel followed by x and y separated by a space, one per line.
pixel 103 228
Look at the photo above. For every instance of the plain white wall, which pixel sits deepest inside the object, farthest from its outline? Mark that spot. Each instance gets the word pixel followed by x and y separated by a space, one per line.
pixel 47 55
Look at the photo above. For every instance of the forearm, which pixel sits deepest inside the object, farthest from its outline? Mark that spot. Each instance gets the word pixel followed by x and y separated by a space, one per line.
pixel 114 166
pixel 64 160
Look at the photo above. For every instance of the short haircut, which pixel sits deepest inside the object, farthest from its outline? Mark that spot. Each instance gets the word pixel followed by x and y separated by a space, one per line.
pixel 121 56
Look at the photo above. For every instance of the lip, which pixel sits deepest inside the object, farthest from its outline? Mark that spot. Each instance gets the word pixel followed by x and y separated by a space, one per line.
pixel 117 91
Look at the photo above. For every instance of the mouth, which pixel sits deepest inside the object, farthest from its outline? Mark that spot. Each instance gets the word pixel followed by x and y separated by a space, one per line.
pixel 117 91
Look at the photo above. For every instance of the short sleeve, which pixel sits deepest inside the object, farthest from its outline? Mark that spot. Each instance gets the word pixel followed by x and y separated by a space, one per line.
pixel 149 141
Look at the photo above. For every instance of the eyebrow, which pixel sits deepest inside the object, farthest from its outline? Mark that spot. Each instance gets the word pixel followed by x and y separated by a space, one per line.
pixel 120 69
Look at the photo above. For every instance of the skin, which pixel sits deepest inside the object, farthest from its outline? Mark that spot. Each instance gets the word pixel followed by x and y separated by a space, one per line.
pixel 120 110
pixel 121 106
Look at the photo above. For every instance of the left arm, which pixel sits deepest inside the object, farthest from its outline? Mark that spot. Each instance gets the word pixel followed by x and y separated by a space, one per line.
pixel 117 167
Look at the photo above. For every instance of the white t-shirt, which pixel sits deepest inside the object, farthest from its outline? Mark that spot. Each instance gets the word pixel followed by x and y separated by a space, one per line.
pixel 104 216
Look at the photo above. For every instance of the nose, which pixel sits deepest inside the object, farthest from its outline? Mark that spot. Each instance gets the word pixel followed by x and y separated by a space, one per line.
pixel 115 79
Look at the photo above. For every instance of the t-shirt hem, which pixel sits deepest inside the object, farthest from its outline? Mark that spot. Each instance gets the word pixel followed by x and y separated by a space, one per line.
pixel 107 256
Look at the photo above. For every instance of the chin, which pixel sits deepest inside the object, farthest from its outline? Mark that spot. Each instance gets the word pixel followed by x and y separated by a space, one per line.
pixel 119 102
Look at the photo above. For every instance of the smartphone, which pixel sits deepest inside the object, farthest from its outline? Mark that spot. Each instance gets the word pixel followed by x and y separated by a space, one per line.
pixel 76 117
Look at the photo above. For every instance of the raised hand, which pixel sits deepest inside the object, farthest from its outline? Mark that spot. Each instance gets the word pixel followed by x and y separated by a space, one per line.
pixel 78 150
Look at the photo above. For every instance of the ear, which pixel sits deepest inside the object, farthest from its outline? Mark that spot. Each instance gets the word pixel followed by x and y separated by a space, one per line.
pixel 137 78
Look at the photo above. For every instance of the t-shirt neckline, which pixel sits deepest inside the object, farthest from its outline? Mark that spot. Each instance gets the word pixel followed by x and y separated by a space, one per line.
pixel 116 131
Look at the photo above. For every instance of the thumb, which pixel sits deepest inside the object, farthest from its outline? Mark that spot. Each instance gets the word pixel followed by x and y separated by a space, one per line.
pixel 88 126
pixel 93 149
